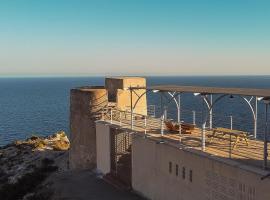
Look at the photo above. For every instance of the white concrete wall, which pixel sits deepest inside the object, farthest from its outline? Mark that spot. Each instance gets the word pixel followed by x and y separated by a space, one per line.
pixel 103 147
pixel 212 179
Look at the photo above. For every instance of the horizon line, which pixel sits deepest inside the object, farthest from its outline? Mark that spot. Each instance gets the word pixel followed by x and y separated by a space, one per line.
pixel 104 75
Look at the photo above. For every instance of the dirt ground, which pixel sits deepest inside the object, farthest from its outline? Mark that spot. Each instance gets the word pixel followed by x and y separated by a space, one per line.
pixel 34 169
pixel 84 185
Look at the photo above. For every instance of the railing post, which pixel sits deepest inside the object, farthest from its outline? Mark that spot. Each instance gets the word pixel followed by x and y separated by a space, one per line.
pixel 211 112
pixel 230 147
pixel 162 125
pixel 231 122
pixel 211 118
pixel 102 115
pixel 165 112
pixel 120 118
pixel 255 128
pixel 180 131
pixel 179 109
pixel 131 109
pixel 265 142
pixel 256 116
pixel 194 117
pixel 111 116
pixel 203 137
pixel 145 124
pixel 132 120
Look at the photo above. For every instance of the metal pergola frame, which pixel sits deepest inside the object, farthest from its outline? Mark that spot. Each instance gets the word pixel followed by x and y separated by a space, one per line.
pixel 173 98
pixel 254 108
pixel 210 104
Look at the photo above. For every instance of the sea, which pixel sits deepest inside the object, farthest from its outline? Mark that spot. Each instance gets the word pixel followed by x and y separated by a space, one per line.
pixel 40 105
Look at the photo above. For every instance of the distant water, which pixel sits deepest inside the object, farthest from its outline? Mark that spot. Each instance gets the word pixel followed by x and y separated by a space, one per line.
pixel 41 105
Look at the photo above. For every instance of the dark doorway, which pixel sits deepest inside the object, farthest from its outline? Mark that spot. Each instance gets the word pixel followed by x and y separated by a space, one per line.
pixel 121 156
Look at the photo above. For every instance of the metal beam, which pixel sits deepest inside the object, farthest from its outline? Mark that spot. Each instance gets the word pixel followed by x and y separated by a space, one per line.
pixel 254 112
pixel 209 103
pixel 177 104
pixel 254 109
pixel 139 97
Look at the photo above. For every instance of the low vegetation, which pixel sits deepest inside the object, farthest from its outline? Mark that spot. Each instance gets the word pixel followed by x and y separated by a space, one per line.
pixel 28 183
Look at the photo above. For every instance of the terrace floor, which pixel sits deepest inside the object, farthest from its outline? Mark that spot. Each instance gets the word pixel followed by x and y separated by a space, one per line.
pixel 251 154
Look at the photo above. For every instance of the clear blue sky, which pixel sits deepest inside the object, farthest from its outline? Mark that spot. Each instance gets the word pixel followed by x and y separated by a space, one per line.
pixel 146 37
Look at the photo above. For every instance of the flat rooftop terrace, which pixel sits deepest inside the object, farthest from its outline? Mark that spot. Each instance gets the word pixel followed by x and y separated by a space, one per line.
pixel 221 147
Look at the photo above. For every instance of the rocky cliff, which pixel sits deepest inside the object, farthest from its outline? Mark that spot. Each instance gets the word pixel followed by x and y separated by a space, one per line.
pixel 24 165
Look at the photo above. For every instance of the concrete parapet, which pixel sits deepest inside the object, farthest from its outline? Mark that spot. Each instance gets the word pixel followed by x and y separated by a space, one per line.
pixel 164 171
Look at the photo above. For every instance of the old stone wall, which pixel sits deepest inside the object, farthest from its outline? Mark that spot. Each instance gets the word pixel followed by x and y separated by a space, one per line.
pixel 86 105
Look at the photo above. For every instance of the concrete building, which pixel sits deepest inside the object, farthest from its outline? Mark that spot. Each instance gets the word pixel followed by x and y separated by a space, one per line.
pixel 143 153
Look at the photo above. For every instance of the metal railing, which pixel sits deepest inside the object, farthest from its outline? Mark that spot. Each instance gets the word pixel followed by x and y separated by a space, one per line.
pixel 226 146
pixel 134 121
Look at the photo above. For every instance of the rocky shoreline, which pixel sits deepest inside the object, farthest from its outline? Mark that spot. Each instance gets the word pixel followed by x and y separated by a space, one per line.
pixel 25 165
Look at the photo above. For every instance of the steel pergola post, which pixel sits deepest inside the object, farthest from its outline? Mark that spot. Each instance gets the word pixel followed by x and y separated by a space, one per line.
pixel 265 142
pixel 179 116
pixel 211 112
pixel 131 109
pixel 231 121
pixel 162 114
pixel 256 117
pixel 179 109
pixel 194 117
pixel 203 137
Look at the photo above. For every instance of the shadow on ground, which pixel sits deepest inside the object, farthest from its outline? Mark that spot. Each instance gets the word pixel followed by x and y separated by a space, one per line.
pixel 84 185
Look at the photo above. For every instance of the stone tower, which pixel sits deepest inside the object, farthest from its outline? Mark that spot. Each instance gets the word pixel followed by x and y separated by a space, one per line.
pixel 118 92
pixel 86 105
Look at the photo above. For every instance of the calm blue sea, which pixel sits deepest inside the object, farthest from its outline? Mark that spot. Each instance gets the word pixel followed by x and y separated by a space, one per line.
pixel 41 105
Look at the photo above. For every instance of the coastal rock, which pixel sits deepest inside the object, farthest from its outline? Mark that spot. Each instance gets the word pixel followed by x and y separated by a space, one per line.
pixel 58 141
pixel 61 145
pixel 32 157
